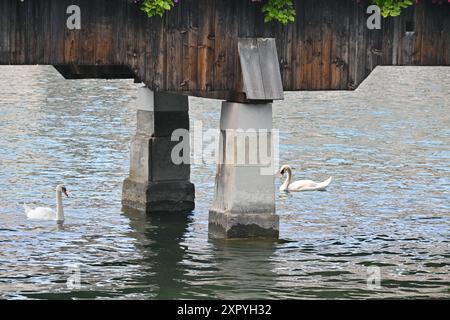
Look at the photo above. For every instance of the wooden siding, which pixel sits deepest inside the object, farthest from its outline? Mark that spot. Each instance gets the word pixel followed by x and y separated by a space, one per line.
pixel 193 49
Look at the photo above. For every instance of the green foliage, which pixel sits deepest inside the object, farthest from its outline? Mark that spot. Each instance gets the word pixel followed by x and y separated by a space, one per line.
pixel 157 7
pixel 392 8
pixel 280 10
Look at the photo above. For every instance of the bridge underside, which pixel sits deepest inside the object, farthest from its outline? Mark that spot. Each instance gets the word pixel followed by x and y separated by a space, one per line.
pixel 96 72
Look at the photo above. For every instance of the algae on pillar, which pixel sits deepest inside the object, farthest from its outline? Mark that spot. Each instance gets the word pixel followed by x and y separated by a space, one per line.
pixel 155 183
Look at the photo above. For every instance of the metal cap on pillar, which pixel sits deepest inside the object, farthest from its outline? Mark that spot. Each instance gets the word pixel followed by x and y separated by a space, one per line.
pixel 260 69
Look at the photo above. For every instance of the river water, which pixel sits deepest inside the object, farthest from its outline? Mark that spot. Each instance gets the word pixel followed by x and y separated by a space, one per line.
pixel 387 212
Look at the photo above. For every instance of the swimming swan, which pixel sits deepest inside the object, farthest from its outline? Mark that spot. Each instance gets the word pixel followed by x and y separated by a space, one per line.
pixel 302 185
pixel 47 213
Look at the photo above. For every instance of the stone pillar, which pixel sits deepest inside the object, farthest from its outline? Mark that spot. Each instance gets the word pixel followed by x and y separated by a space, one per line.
pixel 244 204
pixel 156 183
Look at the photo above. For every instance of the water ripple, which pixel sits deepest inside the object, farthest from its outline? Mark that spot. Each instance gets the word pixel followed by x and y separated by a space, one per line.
pixel 386 144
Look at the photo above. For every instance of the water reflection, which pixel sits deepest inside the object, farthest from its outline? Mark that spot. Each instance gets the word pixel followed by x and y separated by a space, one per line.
pixel 237 269
pixel 244 269
pixel 159 238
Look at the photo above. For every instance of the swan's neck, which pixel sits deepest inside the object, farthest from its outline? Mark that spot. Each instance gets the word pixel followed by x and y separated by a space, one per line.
pixel 59 207
pixel 287 182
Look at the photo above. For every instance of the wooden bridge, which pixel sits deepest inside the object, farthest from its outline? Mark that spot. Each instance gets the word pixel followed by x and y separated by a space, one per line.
pixel 193 48
pixel 206 48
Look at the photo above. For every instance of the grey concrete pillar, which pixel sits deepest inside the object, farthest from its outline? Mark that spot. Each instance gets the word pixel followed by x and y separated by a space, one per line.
pixel 156 183
pixel 244 204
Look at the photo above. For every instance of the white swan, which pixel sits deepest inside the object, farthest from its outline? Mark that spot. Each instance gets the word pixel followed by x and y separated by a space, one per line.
pixel 302 185
pixel 47 213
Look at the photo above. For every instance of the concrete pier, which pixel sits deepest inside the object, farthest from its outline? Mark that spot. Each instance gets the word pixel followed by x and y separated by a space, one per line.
pixel 156 183
pixel 244 204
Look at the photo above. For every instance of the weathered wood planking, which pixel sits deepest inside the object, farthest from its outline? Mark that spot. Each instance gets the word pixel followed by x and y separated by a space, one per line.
pixel 251 68
pixel 194 48
pixel 270 69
